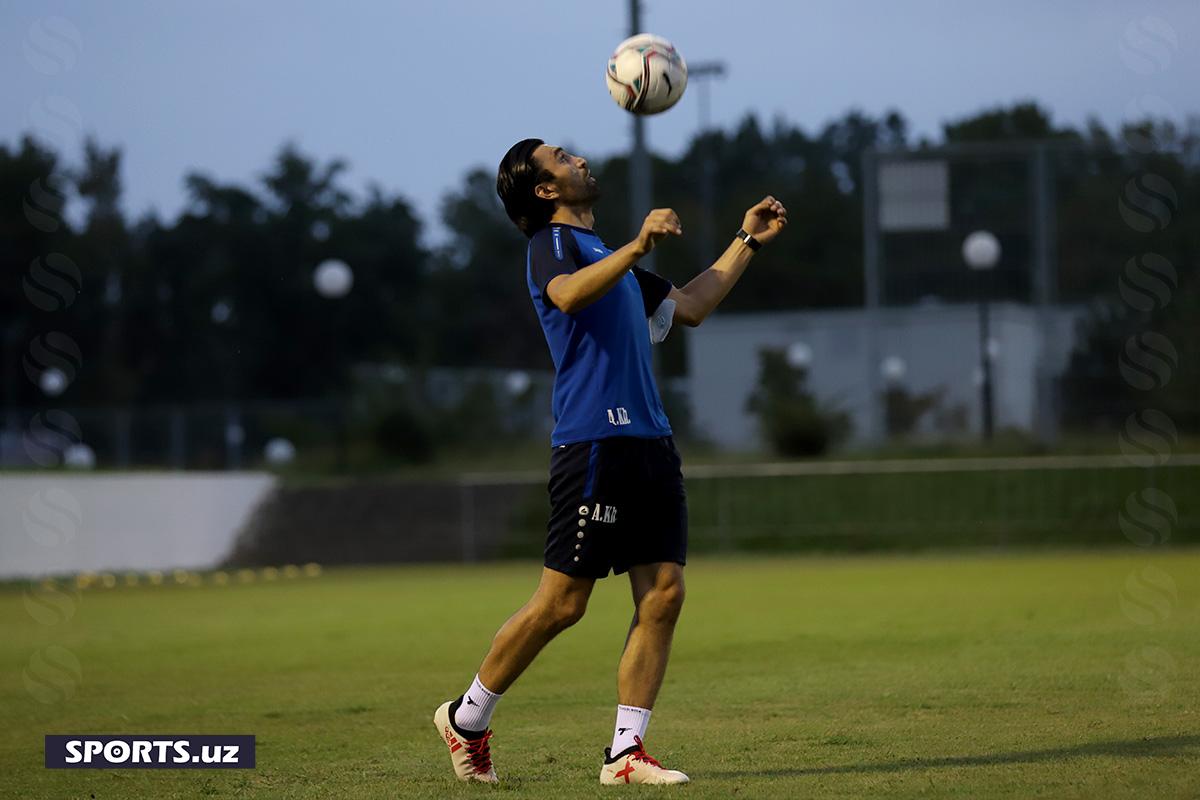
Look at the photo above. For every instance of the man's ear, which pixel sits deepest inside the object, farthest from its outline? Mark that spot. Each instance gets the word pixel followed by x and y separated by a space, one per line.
pixel 545 191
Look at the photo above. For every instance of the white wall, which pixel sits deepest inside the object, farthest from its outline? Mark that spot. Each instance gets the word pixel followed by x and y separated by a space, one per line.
pixel 938 343
pixel 63 523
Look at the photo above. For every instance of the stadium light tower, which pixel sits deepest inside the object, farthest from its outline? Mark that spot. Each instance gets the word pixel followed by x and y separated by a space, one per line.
pixel 981 251
pixel 701 74
pixel 640 179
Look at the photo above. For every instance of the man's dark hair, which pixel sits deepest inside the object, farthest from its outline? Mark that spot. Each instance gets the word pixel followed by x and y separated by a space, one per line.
pixel 515 180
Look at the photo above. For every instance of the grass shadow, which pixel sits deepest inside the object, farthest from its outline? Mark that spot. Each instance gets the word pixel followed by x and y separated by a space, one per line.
pixel 1133 748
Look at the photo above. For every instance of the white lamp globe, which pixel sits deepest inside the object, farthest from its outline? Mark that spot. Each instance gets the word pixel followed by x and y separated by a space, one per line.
pixel 53 382
pixel 79 456
pixel 799 355
pixel 235 434
pixel 279 451
pixel 333 278
pixel 981 250
pixel 893 369
pixel 516 382
pixel 221 311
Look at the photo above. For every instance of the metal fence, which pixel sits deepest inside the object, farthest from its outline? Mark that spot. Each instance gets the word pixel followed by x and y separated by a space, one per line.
pixel 1137 499
pixel 171 437
pixel 452 403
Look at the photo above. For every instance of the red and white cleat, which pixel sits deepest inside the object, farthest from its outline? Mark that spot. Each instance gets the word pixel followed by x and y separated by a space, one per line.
pixel 633 765
pixel 471 758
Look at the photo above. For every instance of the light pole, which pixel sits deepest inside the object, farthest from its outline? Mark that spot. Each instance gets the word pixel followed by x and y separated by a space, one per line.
pixel 11 423
pixel 222 316
pixel 640 179
pixel 333 279
pixel 701 74
pixel 981 251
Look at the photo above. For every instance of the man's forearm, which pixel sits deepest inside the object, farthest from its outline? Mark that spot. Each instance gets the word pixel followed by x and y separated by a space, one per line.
pixel 581 288
pixel 706 291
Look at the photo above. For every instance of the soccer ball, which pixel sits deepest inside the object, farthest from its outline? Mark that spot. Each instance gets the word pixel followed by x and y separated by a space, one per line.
pixel 646 74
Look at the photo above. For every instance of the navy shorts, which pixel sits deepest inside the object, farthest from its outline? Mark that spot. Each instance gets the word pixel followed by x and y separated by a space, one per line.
pixel 615 503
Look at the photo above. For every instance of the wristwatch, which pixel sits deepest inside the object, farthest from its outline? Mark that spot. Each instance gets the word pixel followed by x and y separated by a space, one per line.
pixel 750 241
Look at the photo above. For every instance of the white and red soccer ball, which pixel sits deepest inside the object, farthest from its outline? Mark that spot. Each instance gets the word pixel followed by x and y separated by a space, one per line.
pixel 646 74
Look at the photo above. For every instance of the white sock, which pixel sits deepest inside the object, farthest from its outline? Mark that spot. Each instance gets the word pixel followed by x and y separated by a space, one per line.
pixel 631 721
pixel 475 711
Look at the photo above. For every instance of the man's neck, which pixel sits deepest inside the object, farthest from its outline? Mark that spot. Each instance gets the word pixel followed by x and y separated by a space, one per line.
pixel 579 217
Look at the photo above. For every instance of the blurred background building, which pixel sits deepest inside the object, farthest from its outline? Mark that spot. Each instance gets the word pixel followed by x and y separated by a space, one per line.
pixel 930 364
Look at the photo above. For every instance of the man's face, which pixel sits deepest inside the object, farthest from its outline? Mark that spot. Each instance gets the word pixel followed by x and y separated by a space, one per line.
pixel 573 183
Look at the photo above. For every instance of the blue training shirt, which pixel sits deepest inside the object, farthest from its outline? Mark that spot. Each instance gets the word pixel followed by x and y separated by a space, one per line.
pixel 603 385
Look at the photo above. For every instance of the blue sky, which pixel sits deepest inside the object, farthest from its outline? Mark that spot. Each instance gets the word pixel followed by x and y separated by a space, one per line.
pixel 413 94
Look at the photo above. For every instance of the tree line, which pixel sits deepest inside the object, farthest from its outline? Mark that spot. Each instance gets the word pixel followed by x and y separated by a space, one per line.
pixel 218 303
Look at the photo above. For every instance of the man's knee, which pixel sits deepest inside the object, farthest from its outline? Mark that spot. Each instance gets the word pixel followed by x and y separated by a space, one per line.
pixel 663 603
pixel 560 613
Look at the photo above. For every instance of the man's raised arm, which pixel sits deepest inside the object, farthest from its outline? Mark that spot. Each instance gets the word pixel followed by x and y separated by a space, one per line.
pixel 579 289
pixel 695 301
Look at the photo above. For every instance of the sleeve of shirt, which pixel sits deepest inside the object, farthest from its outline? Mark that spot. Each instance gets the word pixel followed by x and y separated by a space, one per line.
pixel 552 252
pixel 655 289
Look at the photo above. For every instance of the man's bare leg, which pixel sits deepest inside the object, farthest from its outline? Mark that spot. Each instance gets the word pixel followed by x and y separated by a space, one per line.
pixel 658 592
pixel 657 600
pixel 557 604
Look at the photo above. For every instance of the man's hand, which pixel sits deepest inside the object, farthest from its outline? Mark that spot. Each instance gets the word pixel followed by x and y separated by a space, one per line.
pixel 659 224
pixel 765 219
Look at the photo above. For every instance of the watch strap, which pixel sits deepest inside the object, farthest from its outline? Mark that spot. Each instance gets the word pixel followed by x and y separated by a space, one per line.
pixel 751 242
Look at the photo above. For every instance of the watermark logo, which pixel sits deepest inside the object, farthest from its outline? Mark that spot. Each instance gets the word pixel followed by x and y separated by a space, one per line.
pixel 1140 134
pixel 52 45
pixel 1148 282
pixel 52 517
pixel 1147 361
pixel 53 282
pixel 1148 202
pixel 1148 438
pixel 156 751
pixel 50 603
pixel 50 434
pixel 1148 518
pixel 44 202
pixel 1148 45
pixel 1146 674
pixel 55 120
pixel 1148 597
pixel 53 675
pixel 52 361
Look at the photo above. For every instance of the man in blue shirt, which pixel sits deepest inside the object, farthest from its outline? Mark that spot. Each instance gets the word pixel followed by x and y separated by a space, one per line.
pixel 616 491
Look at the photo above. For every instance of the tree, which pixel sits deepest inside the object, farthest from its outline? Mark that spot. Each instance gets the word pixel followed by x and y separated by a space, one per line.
pixel 235 275
pixel 481 312
pixel 790 418
pixel 36 280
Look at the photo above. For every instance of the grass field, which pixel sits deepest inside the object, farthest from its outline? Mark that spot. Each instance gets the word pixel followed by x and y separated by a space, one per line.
pixel 932 676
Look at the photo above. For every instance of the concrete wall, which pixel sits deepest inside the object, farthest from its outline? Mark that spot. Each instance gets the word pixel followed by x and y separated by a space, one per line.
pixel 939 345
pixel 64 523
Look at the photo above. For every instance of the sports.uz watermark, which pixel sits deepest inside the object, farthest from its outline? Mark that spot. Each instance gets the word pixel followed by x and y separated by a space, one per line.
pixel 1147 205
pixel 149 751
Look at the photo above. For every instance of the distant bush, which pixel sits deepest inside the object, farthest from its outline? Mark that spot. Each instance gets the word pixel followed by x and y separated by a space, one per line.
pixel 790 418
pixel 904 409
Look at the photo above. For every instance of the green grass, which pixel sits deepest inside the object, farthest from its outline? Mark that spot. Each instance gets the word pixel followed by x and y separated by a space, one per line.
pixel 933 676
